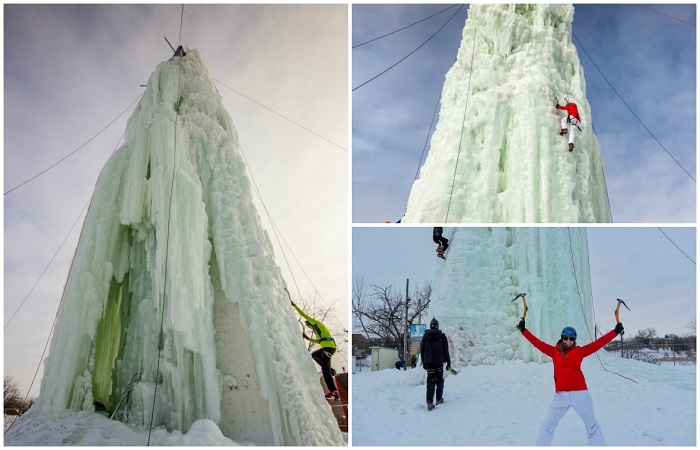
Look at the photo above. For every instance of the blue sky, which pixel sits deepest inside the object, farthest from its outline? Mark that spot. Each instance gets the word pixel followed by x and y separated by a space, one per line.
pixel 71 69
pixel 649 59
pixel 639 265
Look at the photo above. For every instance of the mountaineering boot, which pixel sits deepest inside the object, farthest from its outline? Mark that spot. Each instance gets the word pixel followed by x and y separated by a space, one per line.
pixel 571 147
pixel 332 396
pixel 440 401
pixel 563 132
pixel 431 406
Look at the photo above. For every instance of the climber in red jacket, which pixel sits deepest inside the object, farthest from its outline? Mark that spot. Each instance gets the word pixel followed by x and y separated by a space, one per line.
pixel 572 118
pixel 569 384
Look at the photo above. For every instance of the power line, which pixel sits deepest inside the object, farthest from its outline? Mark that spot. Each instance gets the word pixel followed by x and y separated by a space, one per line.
pixel 280 115
pixel 403 28
pixel 632 111
pixel 405 57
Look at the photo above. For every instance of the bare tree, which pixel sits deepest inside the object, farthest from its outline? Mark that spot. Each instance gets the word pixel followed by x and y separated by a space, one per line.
pixel 15 403
pixel 378 310
pixel 645 334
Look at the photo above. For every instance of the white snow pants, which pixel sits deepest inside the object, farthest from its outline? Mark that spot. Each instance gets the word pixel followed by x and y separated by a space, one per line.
pixel 583 405
pixel 572 129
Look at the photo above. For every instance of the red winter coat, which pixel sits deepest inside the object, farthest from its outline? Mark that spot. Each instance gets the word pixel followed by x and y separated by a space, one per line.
pixel 567 371
pixel 571 109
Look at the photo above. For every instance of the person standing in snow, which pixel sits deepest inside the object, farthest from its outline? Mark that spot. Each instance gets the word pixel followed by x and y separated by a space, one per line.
pixel 434 352
pixel 569 384
pixel 323 355
pixel 413 361
pixel 571 118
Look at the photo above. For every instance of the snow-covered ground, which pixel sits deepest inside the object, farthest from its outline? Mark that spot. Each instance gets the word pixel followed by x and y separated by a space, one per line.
pixel 80 428
pixel 505 403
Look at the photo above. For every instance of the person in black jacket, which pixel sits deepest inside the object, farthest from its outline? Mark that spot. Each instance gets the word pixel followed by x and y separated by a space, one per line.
pixel 434 351
pixel 439 240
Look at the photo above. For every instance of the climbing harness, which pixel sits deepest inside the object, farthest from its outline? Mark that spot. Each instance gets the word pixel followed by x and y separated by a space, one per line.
pixel 524 303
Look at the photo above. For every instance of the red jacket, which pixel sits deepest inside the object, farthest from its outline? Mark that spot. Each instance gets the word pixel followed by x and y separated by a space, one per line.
pixel 571 109
pixel 567 371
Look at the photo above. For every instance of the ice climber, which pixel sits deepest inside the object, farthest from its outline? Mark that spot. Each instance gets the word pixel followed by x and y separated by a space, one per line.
pixel 569 384
pixel 323 355
pixel 572 118
pixel 440 241
pixel 434 352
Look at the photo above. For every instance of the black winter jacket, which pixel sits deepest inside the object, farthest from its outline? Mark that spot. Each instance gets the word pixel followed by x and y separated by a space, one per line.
pixel 434 348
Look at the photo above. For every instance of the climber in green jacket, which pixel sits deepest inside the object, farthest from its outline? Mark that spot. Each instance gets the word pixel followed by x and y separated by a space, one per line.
pixel 323 355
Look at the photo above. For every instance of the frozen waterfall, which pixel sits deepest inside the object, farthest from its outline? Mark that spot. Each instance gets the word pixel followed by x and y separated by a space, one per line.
pixel 496 155
pixel 487 267
pixel 172 240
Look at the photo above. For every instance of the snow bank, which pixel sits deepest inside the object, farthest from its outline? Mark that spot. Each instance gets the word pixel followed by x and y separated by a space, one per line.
pixel 496 154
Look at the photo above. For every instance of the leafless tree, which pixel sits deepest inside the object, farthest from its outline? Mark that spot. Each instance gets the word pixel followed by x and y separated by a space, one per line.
pixel 645 334
pixel 15 403
pixel 378 310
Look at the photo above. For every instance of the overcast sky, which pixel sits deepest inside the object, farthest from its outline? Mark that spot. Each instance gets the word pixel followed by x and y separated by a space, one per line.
pixel 649 59
pixel 70 70
pixel 639 265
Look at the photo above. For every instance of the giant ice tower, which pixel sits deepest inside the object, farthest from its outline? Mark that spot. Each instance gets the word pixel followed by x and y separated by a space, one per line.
pixel 496 155
pixel 172 241
pixel 487 267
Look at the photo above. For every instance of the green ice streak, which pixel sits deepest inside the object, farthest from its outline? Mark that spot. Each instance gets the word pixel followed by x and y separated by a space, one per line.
pixel 107 344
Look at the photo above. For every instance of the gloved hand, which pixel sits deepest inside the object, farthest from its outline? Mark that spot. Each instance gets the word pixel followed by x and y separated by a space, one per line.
pixel 557 100
pixel 521 325
pixel 448 368
pixel 292 303
pixel 304 335
pixel 619 329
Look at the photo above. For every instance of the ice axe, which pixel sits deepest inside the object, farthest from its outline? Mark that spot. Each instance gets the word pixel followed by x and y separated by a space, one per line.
pixel 617 311
pixel 524 303
pixel 617 318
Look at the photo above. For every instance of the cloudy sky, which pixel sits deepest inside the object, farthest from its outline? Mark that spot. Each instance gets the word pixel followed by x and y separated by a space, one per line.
pixel 70 70
pixel 639 265
pixel 649 59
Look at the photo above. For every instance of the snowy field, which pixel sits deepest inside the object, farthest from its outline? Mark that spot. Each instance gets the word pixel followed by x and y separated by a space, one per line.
pixel 92 429
pixel 504 404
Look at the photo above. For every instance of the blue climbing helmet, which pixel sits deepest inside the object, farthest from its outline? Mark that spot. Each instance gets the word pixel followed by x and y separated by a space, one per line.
pixel 434 324
pixel 568 332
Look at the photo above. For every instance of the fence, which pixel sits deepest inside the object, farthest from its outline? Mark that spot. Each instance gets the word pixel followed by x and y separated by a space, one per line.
pixel 676 353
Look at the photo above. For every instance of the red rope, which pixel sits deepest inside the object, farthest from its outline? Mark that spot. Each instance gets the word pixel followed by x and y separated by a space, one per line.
pixel 670 17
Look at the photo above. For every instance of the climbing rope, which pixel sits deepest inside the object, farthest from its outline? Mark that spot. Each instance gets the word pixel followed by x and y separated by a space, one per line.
pixel 427 138
pixel 464 118
pixel 578 292
pixel 74 151
pixel 167 239
pixel 280 115
pixel 412 52
pixel 631 110
pixel 676 245
pixel 403 28
pixel 666 15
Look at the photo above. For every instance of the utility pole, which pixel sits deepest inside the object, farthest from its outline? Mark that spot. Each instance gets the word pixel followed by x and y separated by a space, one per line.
pixel 405 329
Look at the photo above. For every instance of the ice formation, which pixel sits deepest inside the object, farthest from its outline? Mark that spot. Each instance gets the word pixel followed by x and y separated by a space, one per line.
pixel 487 267
pixel 172 239
pixel 496 155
